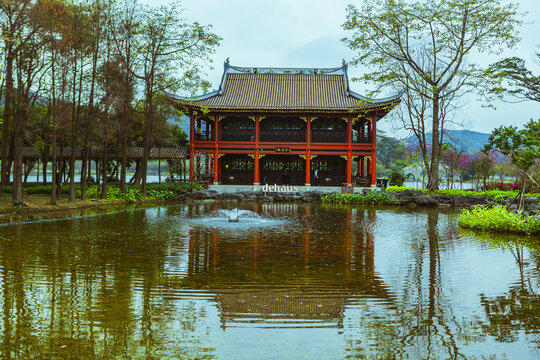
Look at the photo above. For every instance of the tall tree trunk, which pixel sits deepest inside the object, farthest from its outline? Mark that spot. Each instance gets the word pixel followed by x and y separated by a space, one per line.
pixel 6 138
pixel 124 157
pixel 71 198
pixel 76 114
pixel 45 161
pixel 21 115
pixel 83 172
pixel 98 171
pixel 53 175
pixel 148 131
pixel 90 117
pixel 104 165
pixel 17 167
pixel 53 125
pixel 433 175
pixel 61 169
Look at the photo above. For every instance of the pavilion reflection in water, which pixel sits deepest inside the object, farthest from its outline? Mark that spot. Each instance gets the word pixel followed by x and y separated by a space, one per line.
pixel 305 278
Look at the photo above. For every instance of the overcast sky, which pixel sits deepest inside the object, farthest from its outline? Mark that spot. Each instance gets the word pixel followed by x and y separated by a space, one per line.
pixel 307 33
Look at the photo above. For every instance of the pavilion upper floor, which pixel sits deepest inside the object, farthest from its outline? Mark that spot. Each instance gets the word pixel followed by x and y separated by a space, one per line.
pixel 283 128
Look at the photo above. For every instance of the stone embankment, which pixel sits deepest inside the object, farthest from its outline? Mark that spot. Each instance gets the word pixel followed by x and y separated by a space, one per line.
pixel 308 196
pixel 411 197
pixel 407 197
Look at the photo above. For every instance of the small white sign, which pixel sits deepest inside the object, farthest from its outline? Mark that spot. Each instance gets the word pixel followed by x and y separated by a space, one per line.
pixel 279 188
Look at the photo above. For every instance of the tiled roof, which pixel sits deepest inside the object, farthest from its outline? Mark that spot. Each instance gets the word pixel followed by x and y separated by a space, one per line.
pixel 285 89
pixel 133 153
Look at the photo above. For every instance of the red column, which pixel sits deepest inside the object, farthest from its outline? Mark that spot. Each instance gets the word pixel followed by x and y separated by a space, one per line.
pixel 216 150
pixel 191 148
pixel 349 150
pixel 361 163
pixel 308 167
pixel 374 151
pixel 307 180
pixel 256 170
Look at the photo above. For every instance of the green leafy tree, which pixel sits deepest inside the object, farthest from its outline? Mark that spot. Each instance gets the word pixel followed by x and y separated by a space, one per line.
pixel 421 48
pixel 512 77
pixel 522 147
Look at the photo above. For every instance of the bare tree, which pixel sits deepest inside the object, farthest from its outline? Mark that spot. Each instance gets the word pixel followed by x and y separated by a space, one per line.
pixel 167 44
pixel 422 47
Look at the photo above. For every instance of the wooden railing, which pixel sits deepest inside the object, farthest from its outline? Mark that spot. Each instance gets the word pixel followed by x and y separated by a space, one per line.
pixel 329 136
pixel 286 136
pixel 238 135
pixel 283 136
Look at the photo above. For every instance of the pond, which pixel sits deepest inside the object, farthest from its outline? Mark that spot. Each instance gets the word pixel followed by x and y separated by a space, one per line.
pixel 287 281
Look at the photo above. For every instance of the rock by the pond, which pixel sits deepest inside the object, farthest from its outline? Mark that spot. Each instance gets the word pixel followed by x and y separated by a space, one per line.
pixel 425 200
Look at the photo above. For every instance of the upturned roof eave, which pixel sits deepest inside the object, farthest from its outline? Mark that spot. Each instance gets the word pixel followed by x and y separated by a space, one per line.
pixel 198 106
pixel 352 94
pixel 192 99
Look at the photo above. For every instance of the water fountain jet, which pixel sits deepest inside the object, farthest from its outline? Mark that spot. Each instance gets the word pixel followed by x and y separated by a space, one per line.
pixel 233 215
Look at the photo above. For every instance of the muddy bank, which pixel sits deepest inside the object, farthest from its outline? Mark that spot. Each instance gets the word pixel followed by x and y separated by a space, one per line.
pixel 31 213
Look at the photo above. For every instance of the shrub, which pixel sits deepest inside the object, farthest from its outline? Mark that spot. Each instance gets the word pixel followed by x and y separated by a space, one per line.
pixel 503 186
pixel 497 218
pixel 164 191
pixel 396 178
pixel 371 197
pixel 400 188
pixel 488 193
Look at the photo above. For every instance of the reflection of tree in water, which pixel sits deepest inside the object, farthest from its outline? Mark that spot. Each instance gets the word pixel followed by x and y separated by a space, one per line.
pixel 429 329
pixel 94 295
pixel 371 334
pixel 519 308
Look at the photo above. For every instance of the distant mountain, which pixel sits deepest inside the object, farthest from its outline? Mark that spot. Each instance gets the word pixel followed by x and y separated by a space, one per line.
pixel 465 140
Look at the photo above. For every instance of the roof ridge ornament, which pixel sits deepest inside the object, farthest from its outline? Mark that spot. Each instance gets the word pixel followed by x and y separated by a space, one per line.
pixel 284 71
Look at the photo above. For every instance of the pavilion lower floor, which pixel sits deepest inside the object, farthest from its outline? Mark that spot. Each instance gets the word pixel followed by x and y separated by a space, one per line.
pixel 285 169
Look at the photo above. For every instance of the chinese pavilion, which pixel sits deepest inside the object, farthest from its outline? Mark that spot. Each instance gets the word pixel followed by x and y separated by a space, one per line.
pixel 285 126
